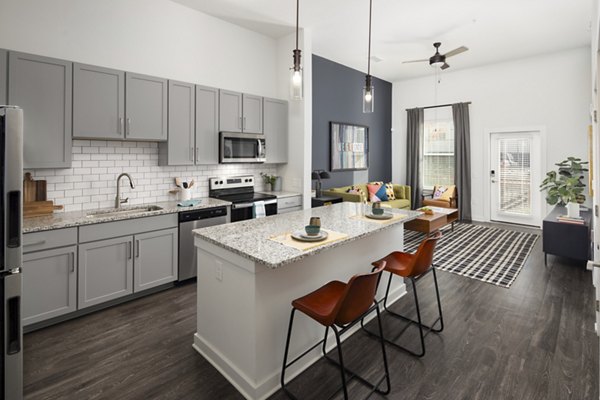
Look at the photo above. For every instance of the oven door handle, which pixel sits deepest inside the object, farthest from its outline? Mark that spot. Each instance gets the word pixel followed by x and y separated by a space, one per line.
pixel 267 202
pixel 242 205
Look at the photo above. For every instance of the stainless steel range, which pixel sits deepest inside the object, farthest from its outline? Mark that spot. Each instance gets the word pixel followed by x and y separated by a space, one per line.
pixel 239 190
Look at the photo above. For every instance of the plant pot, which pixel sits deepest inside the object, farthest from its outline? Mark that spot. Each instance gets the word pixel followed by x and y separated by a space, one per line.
pixel 573 210
pixel 267 187
pixel 276 186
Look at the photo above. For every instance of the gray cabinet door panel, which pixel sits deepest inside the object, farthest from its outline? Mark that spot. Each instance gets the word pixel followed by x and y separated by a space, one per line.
pixel 155 259
pixel 230 111
pixel 3 76
pixel 253 114
pixel 105 271
pixel 42 87
pixel 98 102
pixel 207 125
pixel 49 284
pixel 276 130
pixel 108 230
pixel 181 123
pixel 145 107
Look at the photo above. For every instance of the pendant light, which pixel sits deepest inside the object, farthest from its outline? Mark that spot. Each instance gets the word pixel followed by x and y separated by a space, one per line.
pixel 296 84
pixel 369 90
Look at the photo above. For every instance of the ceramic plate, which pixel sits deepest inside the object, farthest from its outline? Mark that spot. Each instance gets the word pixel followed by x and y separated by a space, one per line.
pixel 303 237
pixel 382 216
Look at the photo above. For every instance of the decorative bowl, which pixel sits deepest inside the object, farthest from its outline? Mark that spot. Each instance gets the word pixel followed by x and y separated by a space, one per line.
pixel 312 230
pixel 377 210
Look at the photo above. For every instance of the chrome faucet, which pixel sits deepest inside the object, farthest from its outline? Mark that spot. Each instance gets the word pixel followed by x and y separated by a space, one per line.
pixel 118 200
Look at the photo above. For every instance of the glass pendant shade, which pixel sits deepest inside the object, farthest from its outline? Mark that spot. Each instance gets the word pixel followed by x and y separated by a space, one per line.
pixel 368 96
pixel 296 83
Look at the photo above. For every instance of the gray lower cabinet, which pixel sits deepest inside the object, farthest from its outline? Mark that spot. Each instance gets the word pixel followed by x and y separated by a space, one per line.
pixel 98 103
pixel 49 284
pixel 105 270
pixel 179 149
pixel 230 111
pixel 252 109
pixel 3 76
pixel 207 125
pixel 42 87
pixel 276 130
pixel 146 107
pixel 155 259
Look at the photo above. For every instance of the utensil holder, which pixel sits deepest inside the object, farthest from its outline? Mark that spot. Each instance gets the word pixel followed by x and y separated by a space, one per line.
pixel 185 194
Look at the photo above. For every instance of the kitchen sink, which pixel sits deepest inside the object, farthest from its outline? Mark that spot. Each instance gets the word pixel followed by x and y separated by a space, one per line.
pixel 115 212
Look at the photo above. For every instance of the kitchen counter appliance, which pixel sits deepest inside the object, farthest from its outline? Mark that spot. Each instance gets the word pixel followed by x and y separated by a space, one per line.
pixel 188 221
pixel 242 148
pixel 239 190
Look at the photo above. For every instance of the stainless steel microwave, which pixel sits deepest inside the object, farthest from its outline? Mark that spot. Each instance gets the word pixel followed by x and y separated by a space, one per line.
pixel 237 147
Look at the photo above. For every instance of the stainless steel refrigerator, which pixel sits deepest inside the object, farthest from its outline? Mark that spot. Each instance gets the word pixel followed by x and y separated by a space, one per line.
pixel 11 188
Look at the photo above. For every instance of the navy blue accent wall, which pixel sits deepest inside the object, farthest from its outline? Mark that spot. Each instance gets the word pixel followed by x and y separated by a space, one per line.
pixel 337 96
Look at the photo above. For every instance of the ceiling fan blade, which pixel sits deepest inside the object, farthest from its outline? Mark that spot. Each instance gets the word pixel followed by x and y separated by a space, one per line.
pixel 445 66
pixel 454 52
pixel 414 61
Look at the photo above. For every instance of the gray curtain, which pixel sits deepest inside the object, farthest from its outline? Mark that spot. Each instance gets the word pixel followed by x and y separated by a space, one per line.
pixel 414 151
pixel 462 158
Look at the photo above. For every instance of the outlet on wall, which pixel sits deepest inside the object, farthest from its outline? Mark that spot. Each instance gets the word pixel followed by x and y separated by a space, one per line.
pixel 218 270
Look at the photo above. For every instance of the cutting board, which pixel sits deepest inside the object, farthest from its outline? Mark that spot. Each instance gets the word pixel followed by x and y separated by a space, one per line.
pixel 39 208
pixel 34 190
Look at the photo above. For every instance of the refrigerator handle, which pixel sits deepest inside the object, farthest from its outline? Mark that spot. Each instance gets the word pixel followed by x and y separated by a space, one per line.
pixel 13 219
pixel 13 337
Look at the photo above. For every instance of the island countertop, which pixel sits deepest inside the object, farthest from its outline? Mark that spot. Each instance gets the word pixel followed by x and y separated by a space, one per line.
pixel 252 238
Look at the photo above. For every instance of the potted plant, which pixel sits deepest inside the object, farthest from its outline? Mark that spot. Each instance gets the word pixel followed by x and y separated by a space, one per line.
pixel 565 187
pixel 273 182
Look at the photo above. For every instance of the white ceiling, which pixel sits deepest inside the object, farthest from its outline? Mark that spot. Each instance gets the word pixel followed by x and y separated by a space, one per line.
pixel 493 30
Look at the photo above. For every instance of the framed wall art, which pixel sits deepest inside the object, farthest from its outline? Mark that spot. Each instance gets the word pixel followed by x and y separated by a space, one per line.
pixel 349 146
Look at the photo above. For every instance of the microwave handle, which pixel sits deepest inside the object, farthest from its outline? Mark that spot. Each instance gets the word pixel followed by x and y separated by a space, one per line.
pixel 260 148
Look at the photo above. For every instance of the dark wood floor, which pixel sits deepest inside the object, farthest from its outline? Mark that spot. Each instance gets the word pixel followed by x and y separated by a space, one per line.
pixel 535 340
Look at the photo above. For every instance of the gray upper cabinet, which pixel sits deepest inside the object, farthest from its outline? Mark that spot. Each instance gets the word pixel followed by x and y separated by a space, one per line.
pixel 49 284
pixel 179 148
pixel 105 270
pixel 230 111
pixel 3 76
pixel 98 103
pixel 207 125
pixel 252 108
pixel 146 107
pixel 276 130
pixel 155 259
pixel 42 87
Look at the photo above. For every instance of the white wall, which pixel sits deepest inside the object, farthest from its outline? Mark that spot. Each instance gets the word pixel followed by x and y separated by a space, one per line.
pixel 155 37
pixel 552 91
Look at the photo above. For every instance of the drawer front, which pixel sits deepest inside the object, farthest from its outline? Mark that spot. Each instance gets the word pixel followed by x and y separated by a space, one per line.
pixel 288 202
pixel 109 230
pixel 288 210
pixel 37 241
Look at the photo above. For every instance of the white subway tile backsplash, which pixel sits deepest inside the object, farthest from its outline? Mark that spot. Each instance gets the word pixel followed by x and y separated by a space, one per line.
pixel 91 182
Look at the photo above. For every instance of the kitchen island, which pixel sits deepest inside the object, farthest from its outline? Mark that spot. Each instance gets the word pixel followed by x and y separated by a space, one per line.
pixel 247 278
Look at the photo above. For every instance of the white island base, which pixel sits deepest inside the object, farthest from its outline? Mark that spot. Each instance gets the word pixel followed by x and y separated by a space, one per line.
pixel 244 307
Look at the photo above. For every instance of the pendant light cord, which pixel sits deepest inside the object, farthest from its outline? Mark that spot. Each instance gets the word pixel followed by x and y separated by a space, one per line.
pixel 297 20
pixel 369 60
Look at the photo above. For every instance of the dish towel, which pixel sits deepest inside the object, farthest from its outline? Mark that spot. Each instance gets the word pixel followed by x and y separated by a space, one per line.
pixel 259 209
pixel 188 203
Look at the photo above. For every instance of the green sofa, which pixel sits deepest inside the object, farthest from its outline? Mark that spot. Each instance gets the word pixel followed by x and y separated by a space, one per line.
pixel 402 193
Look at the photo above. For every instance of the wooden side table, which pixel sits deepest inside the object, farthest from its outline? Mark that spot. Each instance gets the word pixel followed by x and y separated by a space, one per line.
pixel 325 201
pixel 565 239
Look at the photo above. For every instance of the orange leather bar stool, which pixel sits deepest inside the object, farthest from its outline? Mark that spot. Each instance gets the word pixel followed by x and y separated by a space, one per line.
pixel 340 306
pixel 413 267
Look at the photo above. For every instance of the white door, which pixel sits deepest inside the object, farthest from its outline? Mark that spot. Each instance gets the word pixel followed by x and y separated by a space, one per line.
pixel 515 176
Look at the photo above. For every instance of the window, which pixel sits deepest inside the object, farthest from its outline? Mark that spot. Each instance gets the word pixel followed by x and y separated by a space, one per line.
pixel 438 147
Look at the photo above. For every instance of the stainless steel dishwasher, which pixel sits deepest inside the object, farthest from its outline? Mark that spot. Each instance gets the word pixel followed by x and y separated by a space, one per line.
pixel 188 221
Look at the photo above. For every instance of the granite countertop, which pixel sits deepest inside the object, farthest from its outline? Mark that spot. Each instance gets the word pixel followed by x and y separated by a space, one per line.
pixel 250 238
pixel 282 194
pixel 77 218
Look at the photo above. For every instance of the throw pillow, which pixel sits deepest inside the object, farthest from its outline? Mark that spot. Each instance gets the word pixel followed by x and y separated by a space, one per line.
pixel 389 190
pixel 357 190
pixel 377 193
pixel 439 191
pixel 447 195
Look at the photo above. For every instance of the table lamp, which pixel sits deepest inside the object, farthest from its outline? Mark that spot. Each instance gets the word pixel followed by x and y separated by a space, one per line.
pixel 317 175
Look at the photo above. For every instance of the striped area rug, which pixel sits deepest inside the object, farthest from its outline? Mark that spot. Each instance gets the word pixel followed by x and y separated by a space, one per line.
pixel 491 255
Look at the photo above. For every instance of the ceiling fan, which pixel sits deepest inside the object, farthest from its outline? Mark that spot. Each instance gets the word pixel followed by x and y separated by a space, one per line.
pixel 439 60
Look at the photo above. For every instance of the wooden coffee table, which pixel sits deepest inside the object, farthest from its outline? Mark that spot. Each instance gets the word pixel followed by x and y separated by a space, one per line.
pixel 429 224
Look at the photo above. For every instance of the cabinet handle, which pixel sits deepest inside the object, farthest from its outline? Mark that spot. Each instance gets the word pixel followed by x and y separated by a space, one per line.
pixel 121 123
pixel 40 242
pixel 244 123
pixel 128 128
pixel 129 250
pixel 137 249
pixel 191 154
pixel 72 261
pixel 197 151
pixel 241 125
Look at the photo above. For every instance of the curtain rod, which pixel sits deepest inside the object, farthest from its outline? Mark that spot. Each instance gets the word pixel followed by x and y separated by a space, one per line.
pixel 441 105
